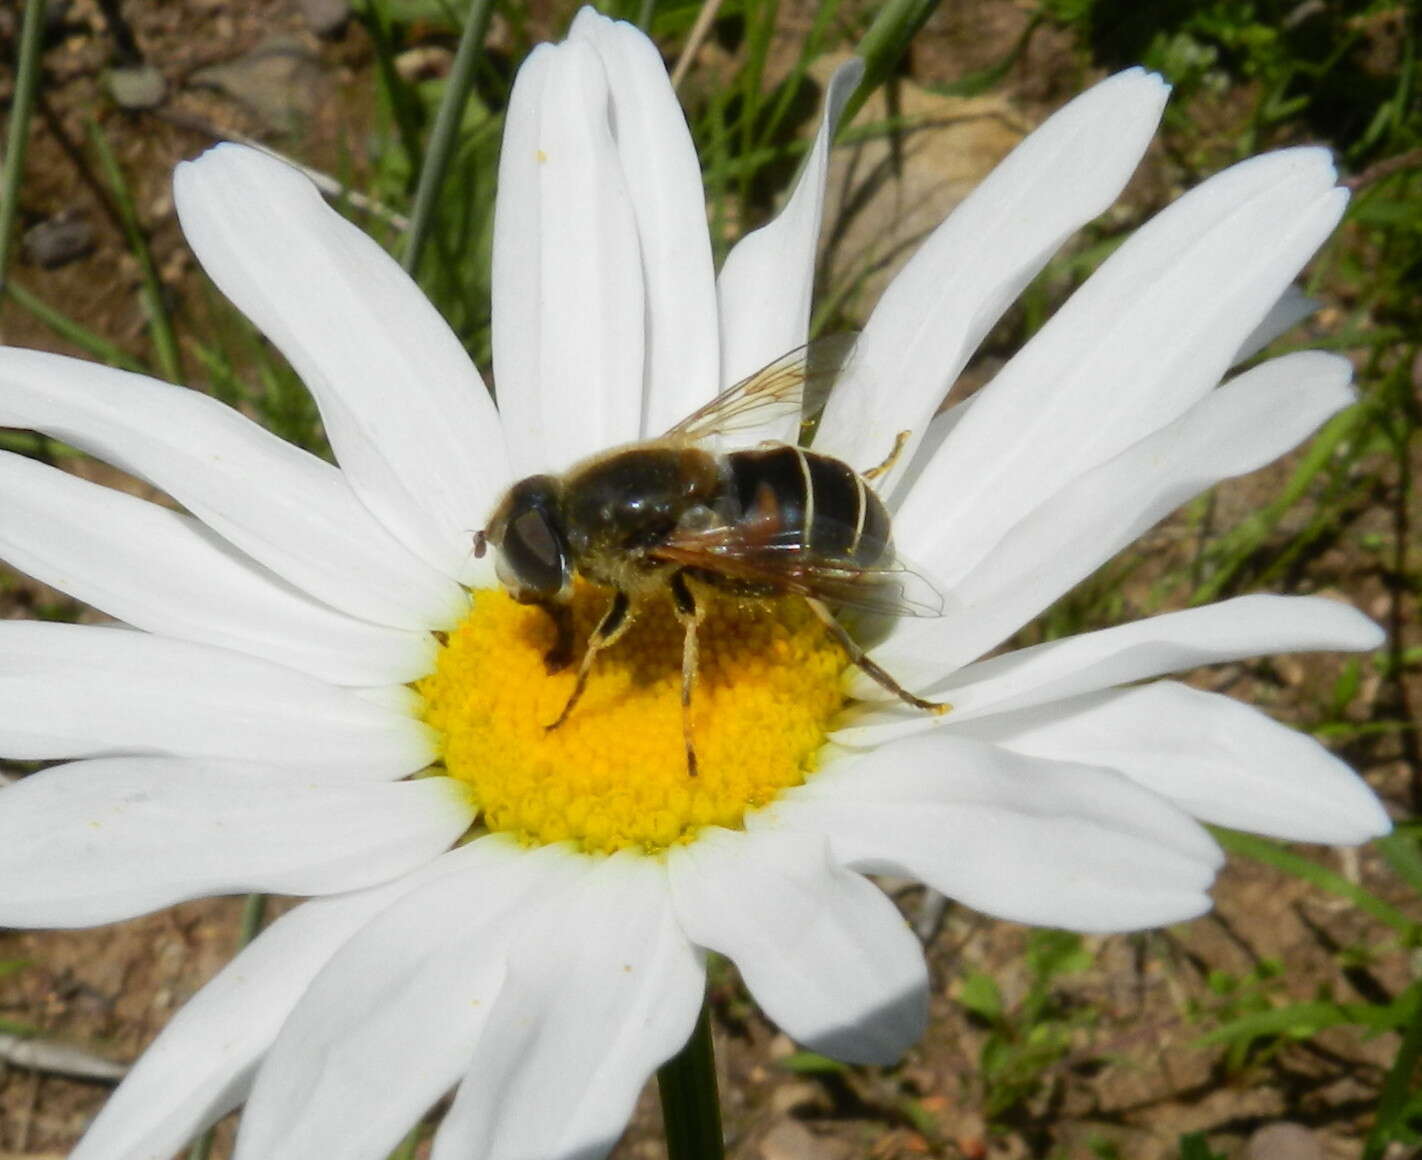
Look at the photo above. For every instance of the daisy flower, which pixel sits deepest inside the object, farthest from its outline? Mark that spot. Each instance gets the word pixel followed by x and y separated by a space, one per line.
pixel 317 688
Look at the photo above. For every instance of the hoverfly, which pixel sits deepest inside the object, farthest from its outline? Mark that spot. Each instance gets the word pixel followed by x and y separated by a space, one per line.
pixel 777 520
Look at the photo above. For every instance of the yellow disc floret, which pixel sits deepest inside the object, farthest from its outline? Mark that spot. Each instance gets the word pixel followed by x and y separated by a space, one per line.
pixel 614 774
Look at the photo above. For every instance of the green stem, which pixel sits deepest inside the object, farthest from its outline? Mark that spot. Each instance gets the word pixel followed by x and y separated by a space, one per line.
pixel 691 1110
pixel 26 82
pixel 446 130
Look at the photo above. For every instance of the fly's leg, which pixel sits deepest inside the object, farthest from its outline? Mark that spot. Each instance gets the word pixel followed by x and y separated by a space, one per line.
pixel 560 656
pixel 861 659
pixel 613 624
pixel 690 615
pixel 900 440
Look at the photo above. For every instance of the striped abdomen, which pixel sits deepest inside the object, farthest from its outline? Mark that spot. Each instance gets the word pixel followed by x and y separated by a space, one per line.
pixel 825 502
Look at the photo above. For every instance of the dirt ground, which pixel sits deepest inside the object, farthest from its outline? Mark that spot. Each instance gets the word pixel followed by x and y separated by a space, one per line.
pixel 1129 1076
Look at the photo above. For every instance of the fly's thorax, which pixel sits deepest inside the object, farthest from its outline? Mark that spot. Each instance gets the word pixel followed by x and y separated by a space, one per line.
pixel 618 506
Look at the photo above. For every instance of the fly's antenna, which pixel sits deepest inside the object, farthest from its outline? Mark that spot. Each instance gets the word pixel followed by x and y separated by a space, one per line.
pixel 481 544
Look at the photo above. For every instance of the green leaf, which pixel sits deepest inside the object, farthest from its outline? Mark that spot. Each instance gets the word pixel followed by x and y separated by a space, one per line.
pixel 1271 854
pixel 811 1063
pixel 1056 952
pixel 1194 1147
pixel 981 996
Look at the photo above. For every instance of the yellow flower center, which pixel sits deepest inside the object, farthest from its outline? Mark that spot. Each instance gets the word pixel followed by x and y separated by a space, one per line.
pixel 614 774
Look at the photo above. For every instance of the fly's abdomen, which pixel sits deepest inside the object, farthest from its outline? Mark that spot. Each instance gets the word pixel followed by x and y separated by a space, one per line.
pixel 820 502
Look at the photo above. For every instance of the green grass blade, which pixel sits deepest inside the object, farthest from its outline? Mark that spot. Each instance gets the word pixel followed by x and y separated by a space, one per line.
pixel 1302 1020
pixel 444 136
pixel 760 31
pixel 1398 1090
pixel 403 105
pixel 883 45
pixel 64 326
pixel 787 89
pixel 202 1147
pixel 1235 549
pixel 14 1027
pixel 1271 854
pixel 165 342
pixel 27 73
pixel 407 1147
pixel 1402 850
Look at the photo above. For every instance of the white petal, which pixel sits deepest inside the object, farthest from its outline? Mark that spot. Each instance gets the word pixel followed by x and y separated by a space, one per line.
pixel 1236 429
pixel 1292 308
pixel 957 285
pixel 77 691
pixel 1217 759
pixel 407 997
pixel 1247 626
pixel 664 180
pixel 768 278
pixel 282 506
pixel 939 428
pixel 406 412
pixel 201 1066
pixel 99 841
pixel 1149 334
pixel 824 952
pixel 568 293
pixel 602 988
pixel 1021 838
pixel 99 545
pixel 517 265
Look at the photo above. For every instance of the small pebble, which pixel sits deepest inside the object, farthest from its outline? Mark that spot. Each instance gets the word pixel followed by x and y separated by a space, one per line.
pixel 424 62
pixel 139 87
pixel 326 18
pixel 1284 1141
pixel 791 1140
pixel 65 237
pixel 791 1097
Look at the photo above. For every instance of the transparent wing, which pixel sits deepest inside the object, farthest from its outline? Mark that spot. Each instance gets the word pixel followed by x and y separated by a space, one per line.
pixel 782 563
pixel 794 384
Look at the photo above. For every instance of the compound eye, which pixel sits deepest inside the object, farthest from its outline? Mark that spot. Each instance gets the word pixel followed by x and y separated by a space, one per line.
pixel 533 555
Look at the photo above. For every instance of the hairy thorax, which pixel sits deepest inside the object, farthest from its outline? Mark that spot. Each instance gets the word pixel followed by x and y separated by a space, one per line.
pixel 622 505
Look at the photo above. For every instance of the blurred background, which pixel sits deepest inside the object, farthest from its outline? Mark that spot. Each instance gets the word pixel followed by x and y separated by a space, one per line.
pixel 1286 1025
